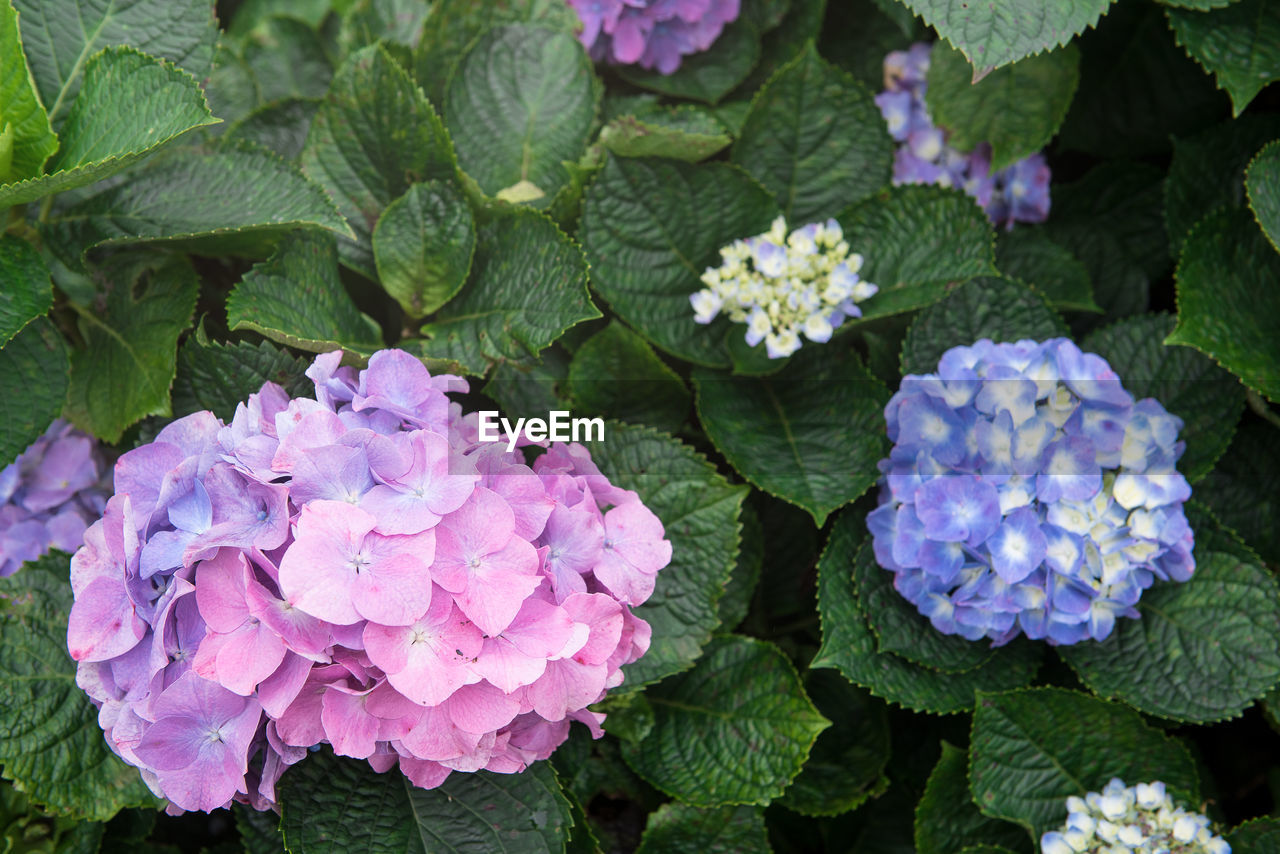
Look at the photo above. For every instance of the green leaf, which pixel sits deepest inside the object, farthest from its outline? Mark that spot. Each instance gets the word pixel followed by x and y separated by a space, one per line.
pixel 236 198
pixel 707 76
pixel 1208 171
pixel 1239 44
pixel 947 819
pixel 259 832
pixel 733 730
pixel 1240 488
pixel 699 510
pixel 1017 109
pixel 51 746
pixel 528 285
pixel 32 138
pixel 33 368
pixel 1260 836
pixel 849 645
pixel 231 88
pixel 282 126
pixel 918 242
pixel 686 132
pixel 423 245
pixel 396 22
pixel 296 298
pixel 124 372
pixel 651 228
pixel 334 804
pixel 373 137
pixel 677 828
pixel 1027 254
pixel 997 308
pixel 835 150
pixel 252 12
pixel 991 36
pixel 523 99
pixel 159 102
pixel 615 373
pixel 740 591
pixel 287 59
pixel 810 435
pixel 1262 183
pixel 1034 748
pixel 216 376
pixel 846 764
pixel 1226 302
pixel 1205 397
pixel 61 35
pixel 28 292
pixel 802 25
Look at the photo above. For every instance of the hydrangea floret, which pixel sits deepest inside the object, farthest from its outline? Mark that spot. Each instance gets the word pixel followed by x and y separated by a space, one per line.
pixel 49 495
pixel 782 285
pixel 355 570
pixel 1017 193
pixel 1139 819
pixel 1027 492
pixel 651 33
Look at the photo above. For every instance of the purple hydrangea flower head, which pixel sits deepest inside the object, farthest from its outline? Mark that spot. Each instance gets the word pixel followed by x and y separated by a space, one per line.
pixel 1137 818
pixel 654 34
pixel 1017 193
pixel 49 495
pixel 1028 493
pixel 355 570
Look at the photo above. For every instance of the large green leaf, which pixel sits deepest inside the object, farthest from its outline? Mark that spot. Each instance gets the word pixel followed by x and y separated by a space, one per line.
pixel 1205 397
pixel 374 136
pixel 296 297
pixel 287 59
pixel 1262 183
pixel 1260 836
pixel 918 242
pixel 51 746
pixel 733 730
pixel 130 105
pixel 423 245
pixel 61 35
pixel 1240 44
pixel 997 308
pixel 31 138
pixel 849 645
pixel 802 24
pixel 947 819
pixel 395 22
pixel 815 139
pixel 707 76
pixel 1227 302
pixel 615 373
pixel 528 285
pixel 1029 255
pixel 651 228
pixel 237 198
pixel 33 369
pixel 334 804
pixel 677 828
pixel 993 35
pixel 522 101
pixel 1017 109
pixel 687 132
pixel 216 376
pixel 811 435
pixel 699 510
pixel 281 126
pixel 1034 748
pixel 27 292
pixel 1240 487
pixel 127 365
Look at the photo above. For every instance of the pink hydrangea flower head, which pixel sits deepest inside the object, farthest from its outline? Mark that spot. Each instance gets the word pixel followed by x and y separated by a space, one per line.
pixel 655 34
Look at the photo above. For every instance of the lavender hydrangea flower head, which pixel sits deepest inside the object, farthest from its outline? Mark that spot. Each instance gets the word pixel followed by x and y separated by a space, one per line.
pixel 1028 493
pixel 49 495
pixel 651 33
pixel 1017 193
pixel 1141 819
pixel 358 570
pixel 782 285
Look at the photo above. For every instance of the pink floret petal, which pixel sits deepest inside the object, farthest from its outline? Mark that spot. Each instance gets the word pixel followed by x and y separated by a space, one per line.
pixel 356 570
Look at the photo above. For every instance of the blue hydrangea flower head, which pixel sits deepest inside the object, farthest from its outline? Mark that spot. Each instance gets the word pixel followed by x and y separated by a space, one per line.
pixel 651 33
pixel 785 285
pixel 1017 193
pixel 1141 819
pixel 1027 492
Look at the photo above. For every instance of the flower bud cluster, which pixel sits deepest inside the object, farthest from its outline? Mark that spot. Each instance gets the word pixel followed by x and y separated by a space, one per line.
pixel 651 33
pixel 355 570
pixel 1017 193
pixel 1027 492
pixel 48 496
pixel 1139 819
pixel 782 285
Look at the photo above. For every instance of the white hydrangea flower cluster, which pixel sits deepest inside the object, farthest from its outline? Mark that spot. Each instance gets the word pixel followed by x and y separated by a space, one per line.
pixel 1137 819
pixel 782 285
